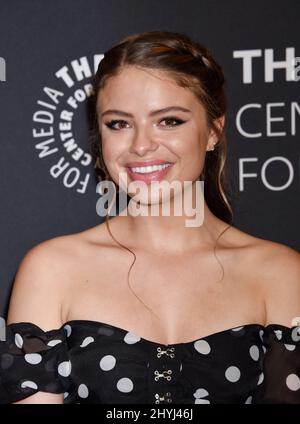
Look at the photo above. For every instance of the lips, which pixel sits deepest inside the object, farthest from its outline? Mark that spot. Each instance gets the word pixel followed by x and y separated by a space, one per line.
pixel 149 176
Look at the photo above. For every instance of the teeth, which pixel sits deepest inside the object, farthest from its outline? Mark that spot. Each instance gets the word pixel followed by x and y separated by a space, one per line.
pixel 148 169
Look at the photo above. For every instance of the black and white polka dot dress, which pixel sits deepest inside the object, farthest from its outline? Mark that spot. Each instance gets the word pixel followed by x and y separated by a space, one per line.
pixel 93 362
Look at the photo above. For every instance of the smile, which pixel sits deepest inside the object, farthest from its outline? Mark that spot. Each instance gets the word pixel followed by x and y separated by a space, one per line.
pixel 147 174
pixel 149 169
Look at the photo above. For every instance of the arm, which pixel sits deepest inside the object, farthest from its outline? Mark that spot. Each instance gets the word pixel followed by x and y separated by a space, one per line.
pixel 280 278
pixel 42 397
pixel 37 294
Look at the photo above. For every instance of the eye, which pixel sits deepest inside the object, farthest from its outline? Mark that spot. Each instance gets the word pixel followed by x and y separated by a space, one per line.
pixel 172 121
pixel 111 124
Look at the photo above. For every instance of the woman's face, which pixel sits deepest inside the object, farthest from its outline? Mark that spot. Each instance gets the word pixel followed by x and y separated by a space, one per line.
pixel 137 132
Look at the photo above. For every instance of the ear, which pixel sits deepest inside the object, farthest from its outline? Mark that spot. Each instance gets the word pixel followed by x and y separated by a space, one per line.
pixel 213 136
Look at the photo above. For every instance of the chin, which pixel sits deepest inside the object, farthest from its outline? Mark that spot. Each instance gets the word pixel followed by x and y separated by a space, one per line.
pixel 148 198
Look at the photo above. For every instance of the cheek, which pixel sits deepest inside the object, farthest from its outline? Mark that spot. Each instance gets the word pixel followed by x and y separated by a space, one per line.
pixel 191 151
pixel 110 151
pixel 190 146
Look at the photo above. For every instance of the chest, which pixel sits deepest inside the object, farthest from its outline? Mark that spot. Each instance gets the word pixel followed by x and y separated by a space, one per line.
pixel 174 299
pixel 123 368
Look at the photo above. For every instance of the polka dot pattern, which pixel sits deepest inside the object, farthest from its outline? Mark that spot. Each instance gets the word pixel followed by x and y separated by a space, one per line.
pixel 249 400
pixel 54 343
pixel 18 340
pixel 29 384
pixel 200 395
pixel 290 347
pixel 296 334
pixel 293 382
pixel 108 362
pixel 260 378
pixel 232 374
pixel 91 362
pixel 68 329
pixel 237 328
pixel 87 341
pixel 131 338
pixel 125 385
pixel 261 335
pixel 254 352
pixel 64 369
pixel 33 358
pixel 202 346
pixel 83 391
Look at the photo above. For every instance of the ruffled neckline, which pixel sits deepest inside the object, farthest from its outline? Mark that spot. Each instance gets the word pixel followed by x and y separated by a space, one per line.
pixel 280 331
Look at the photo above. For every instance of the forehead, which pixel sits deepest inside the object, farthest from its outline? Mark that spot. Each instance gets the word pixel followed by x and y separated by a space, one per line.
pixel 135 87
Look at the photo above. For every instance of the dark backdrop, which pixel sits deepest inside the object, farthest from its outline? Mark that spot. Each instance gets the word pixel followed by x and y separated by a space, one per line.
pixel 48 189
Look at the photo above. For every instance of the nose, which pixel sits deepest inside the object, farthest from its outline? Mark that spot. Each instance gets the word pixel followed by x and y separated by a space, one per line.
pixel 142 142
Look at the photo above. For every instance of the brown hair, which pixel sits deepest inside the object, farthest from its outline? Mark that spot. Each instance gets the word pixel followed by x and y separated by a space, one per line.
pixel 192 66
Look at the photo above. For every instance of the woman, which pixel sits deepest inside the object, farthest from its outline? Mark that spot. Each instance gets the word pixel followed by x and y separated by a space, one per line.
pixel 213 314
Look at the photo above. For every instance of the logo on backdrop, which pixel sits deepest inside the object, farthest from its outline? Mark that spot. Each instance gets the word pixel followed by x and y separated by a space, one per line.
pixel 60 134
pixel 274 120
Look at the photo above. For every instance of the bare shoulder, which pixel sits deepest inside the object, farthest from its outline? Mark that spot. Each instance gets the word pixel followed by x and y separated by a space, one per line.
pixel 278 265
pixel 43 276
pixel 280 271
pixel 276 269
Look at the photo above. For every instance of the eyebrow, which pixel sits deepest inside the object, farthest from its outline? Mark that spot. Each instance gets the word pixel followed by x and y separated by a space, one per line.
pixel 153 113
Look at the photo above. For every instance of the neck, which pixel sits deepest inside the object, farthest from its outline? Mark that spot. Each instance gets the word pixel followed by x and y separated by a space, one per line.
pixel 172 234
